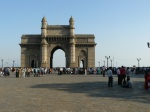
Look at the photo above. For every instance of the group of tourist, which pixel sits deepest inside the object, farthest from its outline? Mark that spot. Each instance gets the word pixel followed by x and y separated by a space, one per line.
pixel 25 72
pixel 123 77
pixel 122 73
pixel 4 71
pixel 37 72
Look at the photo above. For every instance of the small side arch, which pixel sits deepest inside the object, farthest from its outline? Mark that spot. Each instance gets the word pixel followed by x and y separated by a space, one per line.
pixel 82 58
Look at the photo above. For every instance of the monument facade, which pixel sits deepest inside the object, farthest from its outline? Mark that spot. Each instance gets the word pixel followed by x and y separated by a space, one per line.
pixel 37 50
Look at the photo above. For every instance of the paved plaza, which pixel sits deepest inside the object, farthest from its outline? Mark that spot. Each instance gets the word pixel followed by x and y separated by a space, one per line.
pixel 71 93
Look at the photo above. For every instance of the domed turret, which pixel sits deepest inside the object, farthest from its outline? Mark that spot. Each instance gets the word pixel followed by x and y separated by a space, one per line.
pixel 43 27
pixel 71 21
pixel 44 19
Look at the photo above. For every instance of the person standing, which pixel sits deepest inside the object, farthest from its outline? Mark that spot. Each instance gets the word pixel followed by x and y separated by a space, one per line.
pixel 20 72
pixel 23 72
pixel 61 71
pixel 123 75
pixel 103 71
pixel 110 77
pixel 119 76
pixel 128 73
pixel 17 73
pixel 85 71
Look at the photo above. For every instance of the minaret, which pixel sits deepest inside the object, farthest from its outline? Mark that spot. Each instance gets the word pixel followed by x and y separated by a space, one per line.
pixel 71 23
pixel 43 27
pixel 72 41
pixel 44 43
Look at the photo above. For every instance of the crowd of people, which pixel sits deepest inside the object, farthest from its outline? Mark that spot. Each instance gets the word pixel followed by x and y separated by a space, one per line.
pixel 24 72
pixel 61 70
pixel 123 73
pixel 123 77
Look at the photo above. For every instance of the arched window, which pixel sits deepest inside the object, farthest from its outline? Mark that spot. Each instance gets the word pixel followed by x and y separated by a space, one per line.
pixel 32 63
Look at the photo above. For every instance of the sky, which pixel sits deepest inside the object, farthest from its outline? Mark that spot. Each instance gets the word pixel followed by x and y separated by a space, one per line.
pixel 121 27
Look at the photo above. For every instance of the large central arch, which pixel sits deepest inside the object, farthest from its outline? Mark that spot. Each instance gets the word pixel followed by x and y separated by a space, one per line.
pixel 52 54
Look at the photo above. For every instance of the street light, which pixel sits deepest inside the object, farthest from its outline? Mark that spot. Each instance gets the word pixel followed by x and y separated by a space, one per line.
pixel 138 61
pixel 13 62
pixel 2 63
pixel 148 44
pixel 99 64
pixel 107 60
pixel 104 63
pixel 6 64
pixel 111 62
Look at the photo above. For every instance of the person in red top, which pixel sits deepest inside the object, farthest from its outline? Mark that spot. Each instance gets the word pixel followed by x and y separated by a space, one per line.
pixel 123 75
pixel 147 78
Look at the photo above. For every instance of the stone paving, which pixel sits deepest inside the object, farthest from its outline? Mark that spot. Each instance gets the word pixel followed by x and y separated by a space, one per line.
pixel 71 93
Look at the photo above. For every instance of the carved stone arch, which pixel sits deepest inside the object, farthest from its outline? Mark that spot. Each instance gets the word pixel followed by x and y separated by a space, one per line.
pixel 34 58
pixel 82 53
pixel 53 49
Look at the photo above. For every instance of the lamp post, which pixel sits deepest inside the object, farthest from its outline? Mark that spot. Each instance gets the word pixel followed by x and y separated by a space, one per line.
pixel 104 63
pixel 107 60
pixel 13 62
pixel 148 44
pixel 99 64
pixel 2 63
pixel 138 59
pixel 6 64
pixel 111 62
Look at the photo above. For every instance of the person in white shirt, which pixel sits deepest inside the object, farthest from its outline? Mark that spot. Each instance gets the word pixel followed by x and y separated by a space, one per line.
pixel 128 73
pixel 61 71
pixel 119 76
pixel 110 77
pixel 23 72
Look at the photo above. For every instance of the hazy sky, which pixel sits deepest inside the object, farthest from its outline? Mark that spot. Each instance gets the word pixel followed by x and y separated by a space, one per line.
pixel 121 27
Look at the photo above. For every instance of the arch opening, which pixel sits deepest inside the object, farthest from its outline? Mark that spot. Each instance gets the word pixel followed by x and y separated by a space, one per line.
pixel 32 64
pixel 58 57
pixel 82 59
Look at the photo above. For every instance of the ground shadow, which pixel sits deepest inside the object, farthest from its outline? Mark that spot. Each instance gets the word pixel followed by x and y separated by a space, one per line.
pixel 100 89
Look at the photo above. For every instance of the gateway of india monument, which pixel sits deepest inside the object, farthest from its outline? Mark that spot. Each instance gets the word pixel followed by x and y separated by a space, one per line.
pixel 37 49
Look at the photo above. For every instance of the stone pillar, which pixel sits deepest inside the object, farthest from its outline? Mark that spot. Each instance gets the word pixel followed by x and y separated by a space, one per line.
pixel 72 43
pixel 44 43
pixel 23 57
pixel 44 53
pixel 72 52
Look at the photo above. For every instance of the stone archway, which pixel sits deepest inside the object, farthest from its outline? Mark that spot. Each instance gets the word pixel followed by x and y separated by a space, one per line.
pixel 52 54
pixel 33 58
pixel 41 47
